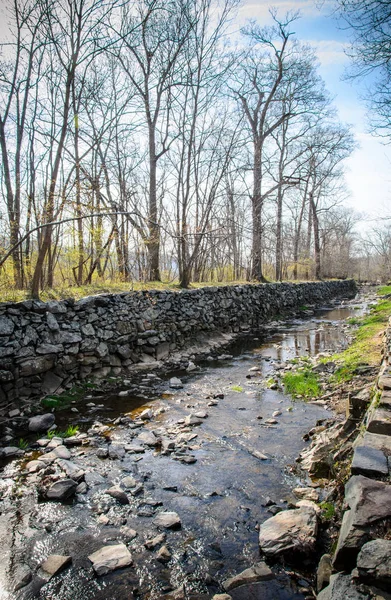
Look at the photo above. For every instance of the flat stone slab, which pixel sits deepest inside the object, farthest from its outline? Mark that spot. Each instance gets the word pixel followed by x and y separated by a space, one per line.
pixel 110 558
pixel 376 440
pixel 53 565
pixel 374 563
pixel 384 382
pixel 259 572
pixel 289 530
pixel 380 421
pixel 385 399
pixel 62 490
pixel 370 462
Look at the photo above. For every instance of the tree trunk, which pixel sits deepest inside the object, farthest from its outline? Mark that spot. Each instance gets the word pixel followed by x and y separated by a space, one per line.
pixel 154 229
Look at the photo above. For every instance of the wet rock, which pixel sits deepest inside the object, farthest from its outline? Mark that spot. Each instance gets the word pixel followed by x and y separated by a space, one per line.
pixel 259 572
pixel 22 576
pixel 109 558
pixel 164 555
pixel 118 494
pixel 259 455
pixel 169 520
pixel 54 442
pixel 323 572
pixel 176 383
pixel 341 586
pixel 133 449
pixel 82 488
pixel 61 490
pixel 53 565
pixel 222 597
pixel 14 413
pixel 103 520
pixel 34 466
pixel 201 414
pixel 128 533
pixel 289 530
pixel 374 564
pixel 102 452
pixel 369 502
pixel 146 415
pixel 41 422
pixel 370 462
pixel 156 541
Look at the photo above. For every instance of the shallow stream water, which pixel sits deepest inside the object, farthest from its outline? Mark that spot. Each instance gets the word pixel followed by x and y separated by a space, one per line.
pixel 220 498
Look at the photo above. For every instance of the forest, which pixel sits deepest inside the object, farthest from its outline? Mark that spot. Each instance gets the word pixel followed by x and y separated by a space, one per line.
pixel 151 140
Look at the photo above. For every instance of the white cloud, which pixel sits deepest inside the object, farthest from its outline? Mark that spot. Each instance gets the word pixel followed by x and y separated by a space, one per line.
pixel 330 52
pixel 259 9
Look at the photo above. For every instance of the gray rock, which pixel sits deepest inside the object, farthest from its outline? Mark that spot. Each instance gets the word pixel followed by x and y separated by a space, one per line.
pixel 289 530
pixel 376 440
pixel 370 462
pixel 374 563
pixel 22 576
pixel 341 588
pixel 53 565
pixel 116 451
pixel 71 469
pixel 369 502
pixel 259 572
pixel 306 494
pixel 51 383
pixel 379 421
pixel 11 452
pixel 148 438
pixel 52 322
pixel 14 413
pixel 6 326
pixel 169 520
pixel 62 490
pixel 128 482
pixel 222 597
pixel 110 558
pixel 176 383
pixel 92 478
pixel 36 365
pixel 41 422
pixel 193 420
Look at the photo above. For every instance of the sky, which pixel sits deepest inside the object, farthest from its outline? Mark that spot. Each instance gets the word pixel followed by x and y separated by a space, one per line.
pixel 368 174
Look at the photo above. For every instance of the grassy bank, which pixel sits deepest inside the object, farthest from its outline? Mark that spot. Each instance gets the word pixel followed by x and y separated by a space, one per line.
pixel 366 347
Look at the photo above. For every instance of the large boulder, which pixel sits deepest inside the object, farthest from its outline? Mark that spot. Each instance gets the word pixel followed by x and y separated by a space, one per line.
pixel 374 563
pixel 289 530
pixel 342 587
pixel 41 423
pixel 369 502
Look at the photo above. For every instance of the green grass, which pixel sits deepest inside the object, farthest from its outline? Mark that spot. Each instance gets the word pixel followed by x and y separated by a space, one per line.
pixel 23 444
pixel 66 398
pixel 328 511
pixel 366 347
pixel 302 383
pixel 384 290
pixel 70 431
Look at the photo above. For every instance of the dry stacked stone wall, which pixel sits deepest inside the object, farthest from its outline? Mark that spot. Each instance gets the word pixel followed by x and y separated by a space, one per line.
pixel 46 346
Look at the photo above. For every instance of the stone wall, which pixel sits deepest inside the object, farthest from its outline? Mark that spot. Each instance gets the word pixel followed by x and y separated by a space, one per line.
pixel 46 346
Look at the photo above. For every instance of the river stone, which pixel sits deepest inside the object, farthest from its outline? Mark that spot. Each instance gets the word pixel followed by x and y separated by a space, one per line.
pixel 34 465
pixel 289 530
pixel 53 565
pixel 41 422
pixel 369 502
pixel 164 555
pixel 176 383
pixel 156 541
pixel 341 587
pixel 118 494
pixel 62 452
pixel 193 420
pixel 109 558
pixel 169 520
pixel 22 576
pixel 374 563
pixel 222 597
pixel 61 490
pixel 259 572
pixel 116 451
pixel 370 462
pixel 10 452
pixel 128 482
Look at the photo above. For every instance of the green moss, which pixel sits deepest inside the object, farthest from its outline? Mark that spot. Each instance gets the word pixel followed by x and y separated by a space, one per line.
pixel 328 510
pixel 303 383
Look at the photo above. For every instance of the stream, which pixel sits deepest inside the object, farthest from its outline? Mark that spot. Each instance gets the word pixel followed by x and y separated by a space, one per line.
pixel 222 476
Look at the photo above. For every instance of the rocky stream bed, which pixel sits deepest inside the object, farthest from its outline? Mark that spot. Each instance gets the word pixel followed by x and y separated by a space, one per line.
pixel 167 488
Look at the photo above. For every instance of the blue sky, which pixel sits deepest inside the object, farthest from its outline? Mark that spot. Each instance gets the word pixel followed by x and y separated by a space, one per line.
pixel 368 178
